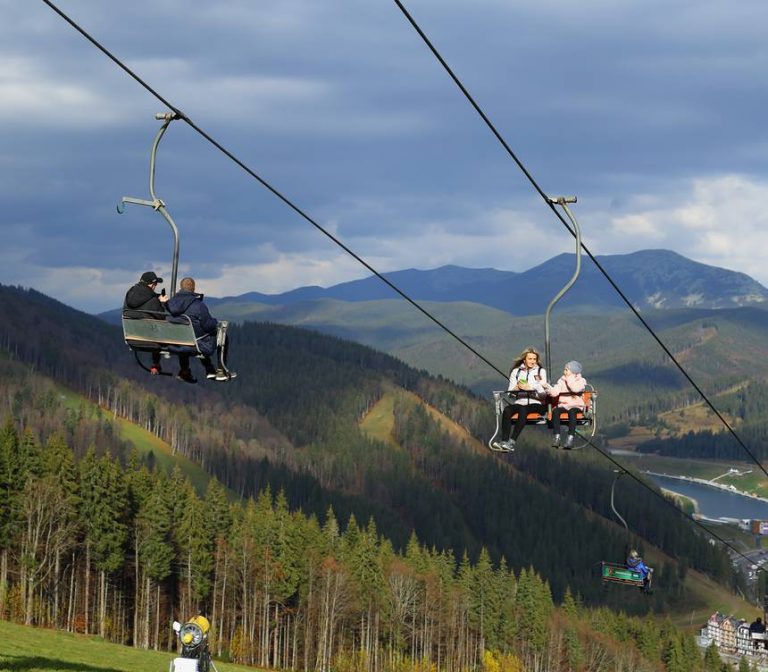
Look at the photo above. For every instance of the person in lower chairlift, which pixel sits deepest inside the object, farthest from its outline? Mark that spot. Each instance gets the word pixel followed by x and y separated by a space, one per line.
pixel 635 562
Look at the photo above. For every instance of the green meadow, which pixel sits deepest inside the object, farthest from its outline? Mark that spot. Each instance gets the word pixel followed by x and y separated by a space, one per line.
pixel 28 649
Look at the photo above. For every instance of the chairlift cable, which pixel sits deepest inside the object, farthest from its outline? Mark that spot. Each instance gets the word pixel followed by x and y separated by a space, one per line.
pixel 272 189
pixel 551 206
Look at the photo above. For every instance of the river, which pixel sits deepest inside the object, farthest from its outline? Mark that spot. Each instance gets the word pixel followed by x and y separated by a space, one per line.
pixel 713 502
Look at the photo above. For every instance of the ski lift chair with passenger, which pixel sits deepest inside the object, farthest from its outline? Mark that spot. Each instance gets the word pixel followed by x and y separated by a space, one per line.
pixel 502 398
pixel 169 335
pixel 634 572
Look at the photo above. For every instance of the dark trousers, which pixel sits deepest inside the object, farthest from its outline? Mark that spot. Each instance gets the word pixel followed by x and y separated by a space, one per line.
pixel 572 413
pixel 522 411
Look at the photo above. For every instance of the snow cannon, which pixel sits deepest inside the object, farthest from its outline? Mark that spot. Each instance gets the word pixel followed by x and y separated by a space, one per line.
pixel 195 656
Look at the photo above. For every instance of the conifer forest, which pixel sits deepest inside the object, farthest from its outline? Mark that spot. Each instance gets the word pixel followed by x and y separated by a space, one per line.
pixel 310 545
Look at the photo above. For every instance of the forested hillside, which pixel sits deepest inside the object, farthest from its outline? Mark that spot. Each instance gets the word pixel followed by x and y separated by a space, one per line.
pixel 290 424
pixel 93 546
pixel 747 406
pixel 291 420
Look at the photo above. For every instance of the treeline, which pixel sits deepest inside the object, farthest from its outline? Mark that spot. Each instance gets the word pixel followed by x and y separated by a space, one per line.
pixel 92 546
pixel 747 407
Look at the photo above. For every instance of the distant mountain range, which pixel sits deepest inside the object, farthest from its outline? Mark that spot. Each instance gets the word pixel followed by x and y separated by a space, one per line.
pixel 658 279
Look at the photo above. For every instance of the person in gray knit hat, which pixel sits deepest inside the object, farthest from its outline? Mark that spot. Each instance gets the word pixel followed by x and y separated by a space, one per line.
pixel 569 390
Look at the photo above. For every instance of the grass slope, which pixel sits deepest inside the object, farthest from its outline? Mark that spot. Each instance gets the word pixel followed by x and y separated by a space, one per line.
pixel 144 442
pixel 379 423
pixel 28 649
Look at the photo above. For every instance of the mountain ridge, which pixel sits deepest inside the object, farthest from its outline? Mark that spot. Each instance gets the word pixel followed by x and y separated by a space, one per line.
pixel 659 279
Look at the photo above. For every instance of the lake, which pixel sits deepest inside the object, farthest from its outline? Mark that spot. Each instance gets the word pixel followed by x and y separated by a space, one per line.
pixel 715 503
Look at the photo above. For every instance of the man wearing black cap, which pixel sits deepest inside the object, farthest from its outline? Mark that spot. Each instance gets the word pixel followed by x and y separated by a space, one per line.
pixel 143 302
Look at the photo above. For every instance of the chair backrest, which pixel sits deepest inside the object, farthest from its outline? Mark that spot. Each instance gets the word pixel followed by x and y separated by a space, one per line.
pixel 612 571
pixel 159 332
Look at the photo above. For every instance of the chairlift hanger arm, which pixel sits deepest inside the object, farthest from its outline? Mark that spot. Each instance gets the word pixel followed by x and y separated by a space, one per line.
pixel 619 474
pixel 563 202
pixel 156 203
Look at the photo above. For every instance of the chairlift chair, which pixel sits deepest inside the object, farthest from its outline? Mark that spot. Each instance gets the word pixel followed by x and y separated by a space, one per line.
pixel 502 398
pixel 614 572
pixel 153 332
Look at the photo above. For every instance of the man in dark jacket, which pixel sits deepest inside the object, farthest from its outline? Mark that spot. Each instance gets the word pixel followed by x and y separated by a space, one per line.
pixel 187 302
pixel 143 303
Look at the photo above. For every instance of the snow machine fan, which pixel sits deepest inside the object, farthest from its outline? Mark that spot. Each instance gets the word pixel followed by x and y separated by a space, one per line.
pixel 195 656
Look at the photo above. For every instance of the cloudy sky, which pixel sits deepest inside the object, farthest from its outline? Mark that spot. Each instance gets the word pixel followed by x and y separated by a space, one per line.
pixel 652 112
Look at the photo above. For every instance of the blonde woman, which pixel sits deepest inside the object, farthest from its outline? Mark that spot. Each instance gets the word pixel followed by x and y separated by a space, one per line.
pixel 527 387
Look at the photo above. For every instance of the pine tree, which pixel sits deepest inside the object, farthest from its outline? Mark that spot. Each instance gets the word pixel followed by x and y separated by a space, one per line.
pixel 59 466
pixel 712 661
pixel 673 655
pixel 485 609
pixel 534 608
pixel 154 555
pixel 570 606
pixel 103 506
pixel 30 461
pixel 194 539
pixel 10 491
pixel 506 589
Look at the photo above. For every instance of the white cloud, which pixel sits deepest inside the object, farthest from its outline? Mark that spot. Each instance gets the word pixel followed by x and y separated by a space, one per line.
pixel 719 220
pixel 31 95
pixel 637 225
pixel 282 273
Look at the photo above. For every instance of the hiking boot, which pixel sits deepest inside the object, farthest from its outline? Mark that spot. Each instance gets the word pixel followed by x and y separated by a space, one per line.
pixel 186 376
pixel 556 440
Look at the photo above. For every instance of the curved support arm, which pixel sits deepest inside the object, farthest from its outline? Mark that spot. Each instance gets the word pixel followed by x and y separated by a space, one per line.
pixel 175 268
pixel 156 203
pixel 153 155
pixel 563 202
pixel 619 474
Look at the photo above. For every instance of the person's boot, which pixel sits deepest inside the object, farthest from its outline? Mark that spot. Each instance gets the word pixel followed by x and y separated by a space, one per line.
pixel 186 376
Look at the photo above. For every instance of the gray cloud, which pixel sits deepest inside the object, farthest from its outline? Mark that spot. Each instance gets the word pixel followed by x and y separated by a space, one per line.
pixel 640 108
